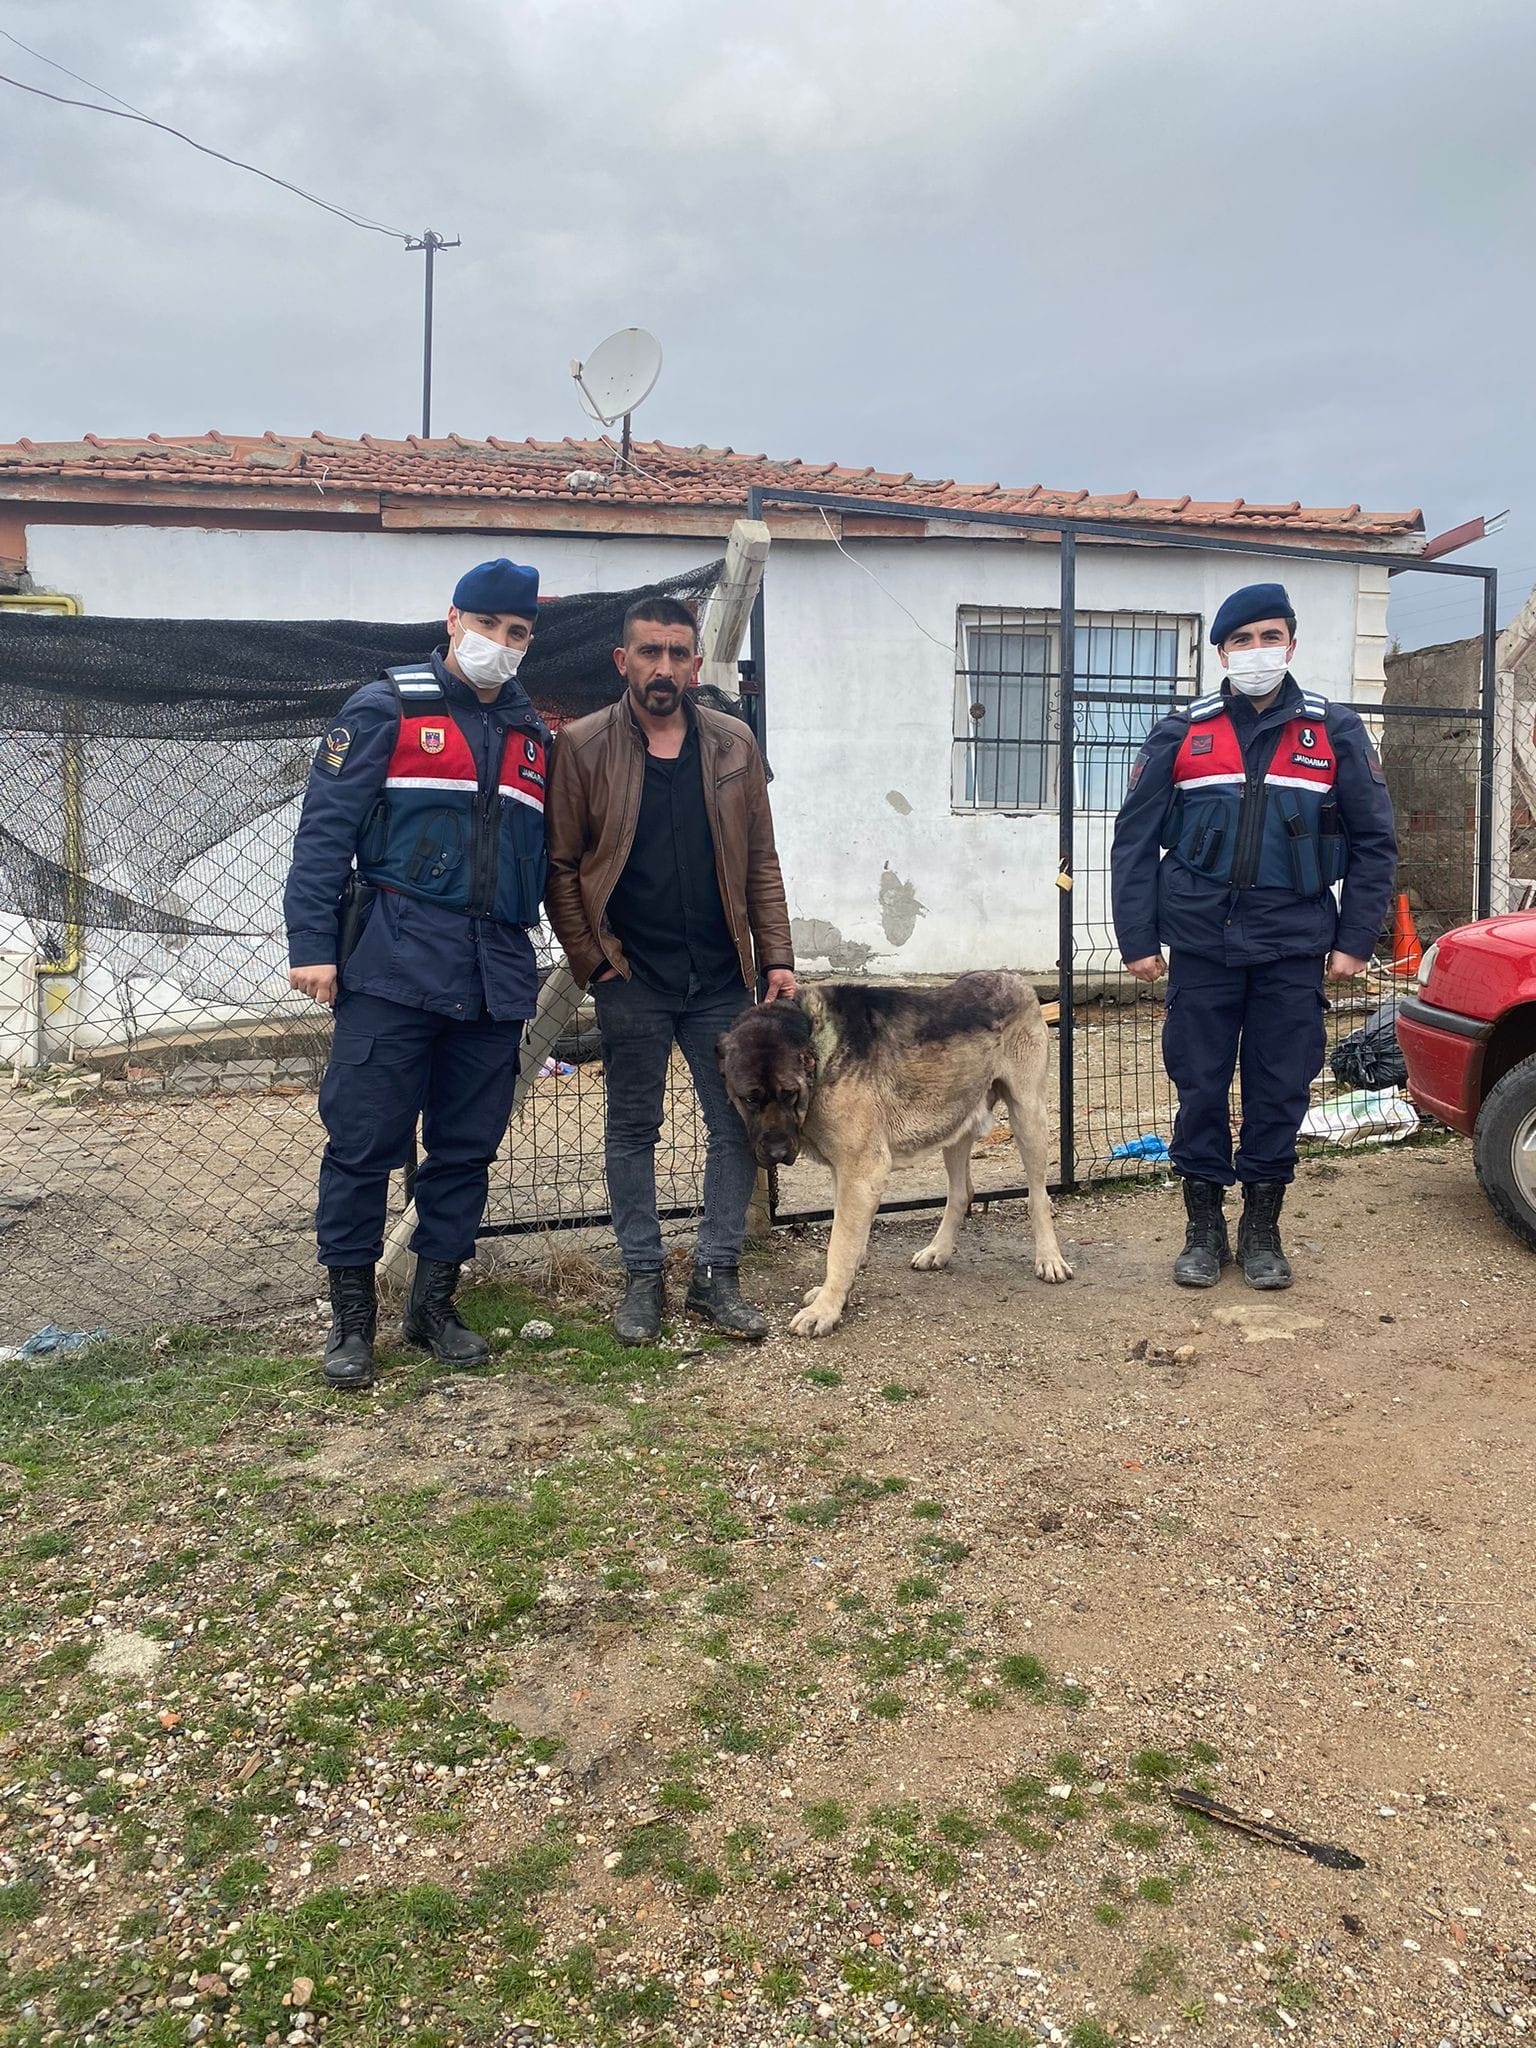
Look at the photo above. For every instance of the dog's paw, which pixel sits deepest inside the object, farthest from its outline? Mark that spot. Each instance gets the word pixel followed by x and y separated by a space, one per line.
pixel 1051 1268
pixel 928 1260
pixel 813 1321
pixel 811 1294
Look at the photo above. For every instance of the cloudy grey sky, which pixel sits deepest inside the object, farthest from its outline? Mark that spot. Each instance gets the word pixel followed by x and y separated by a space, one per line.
pixel 1276 250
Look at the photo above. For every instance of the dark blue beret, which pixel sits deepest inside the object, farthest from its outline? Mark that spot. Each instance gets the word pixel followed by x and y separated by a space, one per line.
pixel 499 586
pixel 1254 601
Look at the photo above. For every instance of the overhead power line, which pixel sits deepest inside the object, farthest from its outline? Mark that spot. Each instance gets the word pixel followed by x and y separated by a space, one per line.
pixel 123 112
pixel 428 242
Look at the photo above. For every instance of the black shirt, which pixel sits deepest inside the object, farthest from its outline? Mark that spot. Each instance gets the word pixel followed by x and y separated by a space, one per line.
pixel 665 906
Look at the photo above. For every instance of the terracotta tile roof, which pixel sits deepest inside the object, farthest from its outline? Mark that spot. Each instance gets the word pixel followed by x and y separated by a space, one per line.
pixel 661 475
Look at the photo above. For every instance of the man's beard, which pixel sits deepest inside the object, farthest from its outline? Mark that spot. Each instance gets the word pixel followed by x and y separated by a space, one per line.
pixel 662 696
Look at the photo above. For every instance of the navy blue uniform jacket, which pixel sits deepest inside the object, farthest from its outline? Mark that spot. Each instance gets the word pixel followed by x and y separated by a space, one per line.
pixel 410 952
pixel 1158 902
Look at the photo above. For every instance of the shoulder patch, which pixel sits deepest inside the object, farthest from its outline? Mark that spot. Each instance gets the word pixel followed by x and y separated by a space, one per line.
pixel 1206 707
pixel 331 754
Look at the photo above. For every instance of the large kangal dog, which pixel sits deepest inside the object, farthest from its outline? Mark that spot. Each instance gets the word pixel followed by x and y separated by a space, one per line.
pixel 865 1078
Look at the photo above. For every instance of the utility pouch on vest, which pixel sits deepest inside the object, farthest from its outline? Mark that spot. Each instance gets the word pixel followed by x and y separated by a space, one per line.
pixel 1205 847
pixel 1306 873
pixel 1334 844
pixel 357 901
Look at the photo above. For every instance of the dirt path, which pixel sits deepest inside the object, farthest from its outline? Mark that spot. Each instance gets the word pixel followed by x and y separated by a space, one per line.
pixel 846 1678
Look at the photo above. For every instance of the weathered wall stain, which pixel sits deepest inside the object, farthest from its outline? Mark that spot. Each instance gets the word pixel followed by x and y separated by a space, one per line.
pixel 898 802
pixel 815 939
pixel 899 908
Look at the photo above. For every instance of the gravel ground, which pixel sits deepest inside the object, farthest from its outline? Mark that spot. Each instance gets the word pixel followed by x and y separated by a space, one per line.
pixel 826 1691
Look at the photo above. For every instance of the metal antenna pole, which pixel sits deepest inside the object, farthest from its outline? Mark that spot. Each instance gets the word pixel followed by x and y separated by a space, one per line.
pixel 430 242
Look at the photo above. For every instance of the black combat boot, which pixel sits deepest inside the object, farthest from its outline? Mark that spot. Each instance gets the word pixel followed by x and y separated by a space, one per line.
pixel 1258 1235
pixel 637 1319
pixel 714 1292
pixel 1206 1247
pixel 432 1321
pixel 354 1318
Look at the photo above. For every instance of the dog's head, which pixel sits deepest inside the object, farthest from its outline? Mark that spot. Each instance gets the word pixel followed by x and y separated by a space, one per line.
pixel 769 1072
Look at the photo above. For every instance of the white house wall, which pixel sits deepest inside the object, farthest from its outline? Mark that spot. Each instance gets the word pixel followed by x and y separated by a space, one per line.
pixel 882 874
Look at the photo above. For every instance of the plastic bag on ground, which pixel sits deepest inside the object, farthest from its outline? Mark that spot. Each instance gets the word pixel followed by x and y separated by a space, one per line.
pixel 1366 1116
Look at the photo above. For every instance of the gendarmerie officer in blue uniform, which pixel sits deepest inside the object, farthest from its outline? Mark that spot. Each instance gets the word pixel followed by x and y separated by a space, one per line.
pixel 419 866
pixel 1244 809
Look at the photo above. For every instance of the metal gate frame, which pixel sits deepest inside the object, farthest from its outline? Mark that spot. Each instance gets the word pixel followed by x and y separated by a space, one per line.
pixel 1067 533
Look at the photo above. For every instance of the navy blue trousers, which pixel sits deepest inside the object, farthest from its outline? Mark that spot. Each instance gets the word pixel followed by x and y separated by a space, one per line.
pixel 389 1065
pixel 1264 1023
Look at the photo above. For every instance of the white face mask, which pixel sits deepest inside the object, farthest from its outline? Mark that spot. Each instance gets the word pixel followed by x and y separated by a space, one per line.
pixel 1255 671
pixel 486 663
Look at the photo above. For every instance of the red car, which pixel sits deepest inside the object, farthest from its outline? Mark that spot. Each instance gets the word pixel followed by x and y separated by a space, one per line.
pixel 1469 1040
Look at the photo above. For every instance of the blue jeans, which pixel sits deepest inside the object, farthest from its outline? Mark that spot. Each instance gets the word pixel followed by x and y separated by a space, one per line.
pixel 639 1028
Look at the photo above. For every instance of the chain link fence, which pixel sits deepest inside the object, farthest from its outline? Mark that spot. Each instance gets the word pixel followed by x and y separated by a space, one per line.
pixel 158 1136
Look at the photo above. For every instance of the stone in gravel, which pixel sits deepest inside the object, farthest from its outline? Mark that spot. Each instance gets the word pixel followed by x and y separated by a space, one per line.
pixel 124 1653
pixel 536 1331
pixel 303 1990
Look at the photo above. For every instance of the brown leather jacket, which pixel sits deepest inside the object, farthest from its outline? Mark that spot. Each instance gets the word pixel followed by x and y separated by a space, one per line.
pixel 594 805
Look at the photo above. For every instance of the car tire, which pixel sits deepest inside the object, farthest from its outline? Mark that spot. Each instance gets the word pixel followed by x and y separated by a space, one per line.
pixel 1504 1148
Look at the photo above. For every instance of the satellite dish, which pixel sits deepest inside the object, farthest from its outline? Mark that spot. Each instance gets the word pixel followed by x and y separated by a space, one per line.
pixel 618 374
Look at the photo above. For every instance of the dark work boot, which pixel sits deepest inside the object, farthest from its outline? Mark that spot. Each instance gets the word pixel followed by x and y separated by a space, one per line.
pixel 1258 1235
pixel 1206 1247
pixel 432 1321
pixel 637 1319
pixel 714 1292
pixel 354 1318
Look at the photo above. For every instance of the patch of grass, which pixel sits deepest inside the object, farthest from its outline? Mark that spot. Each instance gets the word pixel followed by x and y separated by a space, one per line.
pixel 894 1485
pixel 896 1392
pixel 1089 2034
pixel 822 1376
pixel 1241 1934
pixel 780 1983
pixel 955 1825
pixel 1137 1834
pixel 20 1900
pixel 1201 1752
pixel 886 1706
pixel 65 1659
pixel 910 1591
pixel 1026 1674
pixel 1109 1915
pixel 928 1510
pixel 815 1514
pixel 1157 1891
pixel 43 1545
pixel 662 1847
pixel 1158 1970
pixel 1074 1697
pixel 865 1972
pixel 826 1819
pixel 245 1879
pixel 1069 1766
pixel 1156 1764
pixel 678 1797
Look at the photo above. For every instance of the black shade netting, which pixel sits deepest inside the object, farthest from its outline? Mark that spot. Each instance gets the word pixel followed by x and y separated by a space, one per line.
pixel 151 769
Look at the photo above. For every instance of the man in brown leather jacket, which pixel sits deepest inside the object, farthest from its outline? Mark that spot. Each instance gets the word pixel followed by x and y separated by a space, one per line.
pixel 664 890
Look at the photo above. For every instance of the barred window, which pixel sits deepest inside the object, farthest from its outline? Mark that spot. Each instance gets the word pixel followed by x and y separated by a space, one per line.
pixel 1132 667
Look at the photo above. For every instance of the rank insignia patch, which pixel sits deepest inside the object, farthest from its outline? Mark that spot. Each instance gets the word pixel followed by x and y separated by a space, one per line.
pixel 1202 743
pixel 333 749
